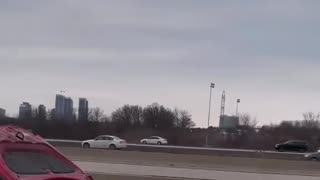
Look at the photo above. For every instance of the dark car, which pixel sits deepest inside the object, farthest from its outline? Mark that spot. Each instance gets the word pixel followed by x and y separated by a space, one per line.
pixel 293 145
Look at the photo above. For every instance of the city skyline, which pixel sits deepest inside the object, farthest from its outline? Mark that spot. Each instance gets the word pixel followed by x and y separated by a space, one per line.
pixel 45 107
pixel 117 53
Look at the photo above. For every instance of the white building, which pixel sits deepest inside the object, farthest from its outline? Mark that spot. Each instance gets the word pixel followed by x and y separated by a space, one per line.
pixel 229 122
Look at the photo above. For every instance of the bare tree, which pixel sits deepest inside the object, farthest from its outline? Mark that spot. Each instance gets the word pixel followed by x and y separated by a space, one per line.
pixel 247 121
pixel 128 116
pixel 97 115
pixel 157 116
pixel 310 120
pixel 310 116
pixel 183 119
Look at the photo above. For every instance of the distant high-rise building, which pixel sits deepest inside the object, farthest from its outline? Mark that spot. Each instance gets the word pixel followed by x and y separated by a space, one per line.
pixel 25 111
pixel 42 112
pixel 68 109
pixel 2 113
pixel 83 110
pixel 63 108
pixel 60 106
pixel 52 114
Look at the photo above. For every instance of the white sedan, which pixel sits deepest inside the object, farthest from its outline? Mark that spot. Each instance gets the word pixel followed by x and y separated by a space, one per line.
pixel 154 140
pixel 105 141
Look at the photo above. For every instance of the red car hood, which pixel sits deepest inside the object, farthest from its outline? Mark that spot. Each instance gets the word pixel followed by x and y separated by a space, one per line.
pixel 54 177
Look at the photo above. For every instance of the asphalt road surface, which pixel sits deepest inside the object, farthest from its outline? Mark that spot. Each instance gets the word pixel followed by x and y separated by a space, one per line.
pixel 235 164
pixel 182 173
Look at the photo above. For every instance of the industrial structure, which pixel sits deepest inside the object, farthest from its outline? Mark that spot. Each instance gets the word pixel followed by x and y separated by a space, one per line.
pixel 227 122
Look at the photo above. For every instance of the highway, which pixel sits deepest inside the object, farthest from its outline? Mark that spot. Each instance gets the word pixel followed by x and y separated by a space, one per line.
pixel 195 150
pixel 165 162
pixel 123 165
pixel 169 146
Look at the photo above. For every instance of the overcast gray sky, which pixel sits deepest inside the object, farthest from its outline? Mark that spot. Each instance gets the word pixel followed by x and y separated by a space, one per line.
pixel 167 51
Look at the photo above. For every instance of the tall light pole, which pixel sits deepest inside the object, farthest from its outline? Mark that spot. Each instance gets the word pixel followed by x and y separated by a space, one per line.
pixel 237 108
pixel 211 87
pixel 207 135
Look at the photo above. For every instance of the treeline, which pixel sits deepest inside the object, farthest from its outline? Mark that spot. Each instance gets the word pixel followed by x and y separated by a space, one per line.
pixel 133 122
pixel 154 119
pixel 126 117
pixel 153 116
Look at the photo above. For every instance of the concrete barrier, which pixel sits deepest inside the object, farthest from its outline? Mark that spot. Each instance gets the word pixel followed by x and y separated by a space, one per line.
pixel 195 150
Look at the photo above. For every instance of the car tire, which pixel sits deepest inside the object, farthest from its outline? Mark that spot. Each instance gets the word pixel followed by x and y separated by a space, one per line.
pixel 314 159
pixel 159 143
pixel 144 142
pixel 112 147
pixel 86 145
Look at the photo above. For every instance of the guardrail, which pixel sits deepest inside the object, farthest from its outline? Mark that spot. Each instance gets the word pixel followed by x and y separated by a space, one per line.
pixel 194 150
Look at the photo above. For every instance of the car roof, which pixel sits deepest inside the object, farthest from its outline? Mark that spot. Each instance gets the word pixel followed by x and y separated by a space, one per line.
pixel 107 136
pixel 299 141
pixel 16 134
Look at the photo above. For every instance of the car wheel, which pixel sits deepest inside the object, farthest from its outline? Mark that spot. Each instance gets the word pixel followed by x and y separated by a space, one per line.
pixel 112 146
pixel 314 159
pixel 86 145
pixel 144 142
pixel 159 143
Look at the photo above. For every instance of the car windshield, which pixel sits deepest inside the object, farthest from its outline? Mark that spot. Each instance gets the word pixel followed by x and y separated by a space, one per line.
pixel 27 162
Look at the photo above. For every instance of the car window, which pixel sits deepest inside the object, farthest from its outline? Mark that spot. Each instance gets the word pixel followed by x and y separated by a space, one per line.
pixel 288 142
pixel 22 162
pixel 100 138
pixel 104 138
pixel 299 143
pixel 109 138
pixel 295 142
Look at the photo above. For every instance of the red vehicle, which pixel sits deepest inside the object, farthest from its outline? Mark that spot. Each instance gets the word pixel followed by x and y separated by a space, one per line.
pixel 26 156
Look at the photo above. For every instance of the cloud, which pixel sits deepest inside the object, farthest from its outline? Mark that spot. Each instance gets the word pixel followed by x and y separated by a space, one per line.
pixel 138 52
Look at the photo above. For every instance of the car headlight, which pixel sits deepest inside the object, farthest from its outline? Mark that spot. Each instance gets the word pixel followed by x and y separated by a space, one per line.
pixel 307 155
